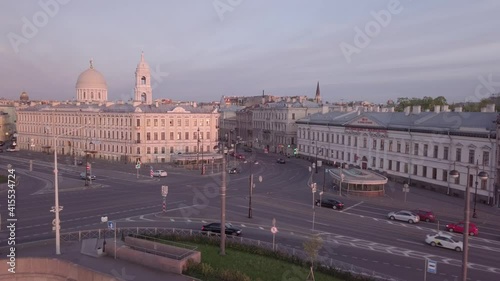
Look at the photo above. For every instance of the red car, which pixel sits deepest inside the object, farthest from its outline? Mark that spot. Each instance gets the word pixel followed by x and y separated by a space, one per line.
pixel 459 228
pixel 425 215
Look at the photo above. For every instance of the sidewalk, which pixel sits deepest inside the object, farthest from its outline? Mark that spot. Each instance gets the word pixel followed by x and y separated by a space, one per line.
pixel 120 269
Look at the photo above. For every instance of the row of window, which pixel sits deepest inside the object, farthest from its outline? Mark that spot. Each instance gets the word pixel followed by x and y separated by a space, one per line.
pixel 458 157
pixel 178 122
pixel 176 136
pixel 157 150
pixel 272 115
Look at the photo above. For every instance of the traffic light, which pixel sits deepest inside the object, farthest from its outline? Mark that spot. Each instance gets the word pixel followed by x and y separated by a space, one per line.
pixel 288 145
pixel 295 151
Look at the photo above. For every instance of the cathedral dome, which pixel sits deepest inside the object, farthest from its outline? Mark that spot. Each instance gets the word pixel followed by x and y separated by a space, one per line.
pixel 91 79
pixel 24 97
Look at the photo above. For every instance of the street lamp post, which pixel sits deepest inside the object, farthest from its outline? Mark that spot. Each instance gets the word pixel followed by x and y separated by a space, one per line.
pixel 223 203
pixel 341 179
pixel 56 192
pixel 198 150
pixel 316 158
pixel 465 255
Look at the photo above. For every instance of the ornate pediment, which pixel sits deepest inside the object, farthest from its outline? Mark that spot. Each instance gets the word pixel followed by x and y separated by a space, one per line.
pixel 363 121
pixel 179 110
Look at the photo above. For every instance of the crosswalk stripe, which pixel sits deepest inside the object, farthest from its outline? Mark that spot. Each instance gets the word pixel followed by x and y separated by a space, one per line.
pixel 172 220
pixel 243 225
pixel 261 227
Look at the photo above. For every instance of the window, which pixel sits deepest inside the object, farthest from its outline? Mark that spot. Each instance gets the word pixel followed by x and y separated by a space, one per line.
pixel 138 122
pixel 364 142
pixel 208 136
pixel 398 146
pixel 138 150
pixel 355 141
pixel 156 150
pixel 138 137
pixel 445 153
pixel 163 122
pixel 162 135
pixel 349 140
pixel 186 122
pixel 163 150
pixel 293 116
pixel 457 179
pixel 426 148
pixel 471 181
pixel 186 149
pixel 195 135
pixel 171 122
pixel 179 122
pixel 434 173
pixel 374 144
pixel 415 170
pixel 172 148
pixel 424 171
pixel 374 161
pixel 148 136
pixel 186 136
pixel 155 136
pixel 486 158
pixel 155 122
pixel 471 156
pixel 436 151
pixel 390 145
pixel 171 135
pixel 381 163
pixel 390 165
pixel 178 136
pixel 195 122
pixel 415 149
pixel 398 166
pixel 406 168
pixel 445 175
pixel 343 140
pixel 458 157
pixel 148 122
pixel 382 144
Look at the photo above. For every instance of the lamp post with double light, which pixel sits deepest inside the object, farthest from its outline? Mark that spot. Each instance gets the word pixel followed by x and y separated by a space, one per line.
pixel 465 255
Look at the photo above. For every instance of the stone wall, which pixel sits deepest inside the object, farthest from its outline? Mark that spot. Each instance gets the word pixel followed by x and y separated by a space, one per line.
pixel 153 259
pixel 49 269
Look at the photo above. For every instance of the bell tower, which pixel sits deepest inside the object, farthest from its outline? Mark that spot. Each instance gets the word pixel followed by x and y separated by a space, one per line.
pixel 143 91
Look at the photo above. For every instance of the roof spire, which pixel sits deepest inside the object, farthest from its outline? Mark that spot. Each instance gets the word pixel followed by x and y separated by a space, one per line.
pixel 142 56
pixel 318 95
pixel 91 63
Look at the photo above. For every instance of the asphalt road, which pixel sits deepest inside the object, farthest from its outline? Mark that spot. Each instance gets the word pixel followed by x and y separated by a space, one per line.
pixel 361 234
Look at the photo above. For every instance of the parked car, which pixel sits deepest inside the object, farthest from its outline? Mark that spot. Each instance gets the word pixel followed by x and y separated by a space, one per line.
pixel 79 162
pixel 159 173
pixel 240 156
pixel 90 177
pixel 234 171
pixel 404 216
pixel 247 149
pixel 425 215
pixel 216 227
pixel 459 228
pixel 445 241
pixel 12 149
pixel 330 203
pixel 280 161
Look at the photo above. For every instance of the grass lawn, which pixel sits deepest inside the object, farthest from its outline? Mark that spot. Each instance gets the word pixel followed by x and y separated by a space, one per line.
pixel 256 267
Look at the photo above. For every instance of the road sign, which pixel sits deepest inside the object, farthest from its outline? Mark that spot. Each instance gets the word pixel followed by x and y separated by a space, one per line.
pixel 53 209
pixel 111 225
pixel 88 167
pixel 432 266
pixel 274 230
pixel 406 189
pixel 138 166
pixel 54 222
pixel 104 219
pixel 164 190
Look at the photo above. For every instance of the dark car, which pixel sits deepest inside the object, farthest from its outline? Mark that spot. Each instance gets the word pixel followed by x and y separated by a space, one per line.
pixel 280 161
pixel 79 162
pixel 234 171
pixel 89 177
pixel 215 227
pixel 247 149
pixel 240 156
pixel 425 215
pixel 330 203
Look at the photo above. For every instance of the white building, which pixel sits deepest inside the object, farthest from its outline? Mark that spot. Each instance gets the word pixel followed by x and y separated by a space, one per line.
pixel 416 147
pixel 145 130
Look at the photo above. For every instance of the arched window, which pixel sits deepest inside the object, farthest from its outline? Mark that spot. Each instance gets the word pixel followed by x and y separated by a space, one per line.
pixel 84 95
pixel 143 80
pixel 143 97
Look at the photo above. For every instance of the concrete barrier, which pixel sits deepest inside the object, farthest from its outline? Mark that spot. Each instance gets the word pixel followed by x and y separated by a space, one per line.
pixel 49 269
pixel 154 255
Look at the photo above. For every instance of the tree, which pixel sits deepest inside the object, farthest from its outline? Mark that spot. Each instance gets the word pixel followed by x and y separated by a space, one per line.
pixel 312 247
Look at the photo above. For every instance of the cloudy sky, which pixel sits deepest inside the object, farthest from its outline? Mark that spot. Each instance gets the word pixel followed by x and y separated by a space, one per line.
pixel 202 49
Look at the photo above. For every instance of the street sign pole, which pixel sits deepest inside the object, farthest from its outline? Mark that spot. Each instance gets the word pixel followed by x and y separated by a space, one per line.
pixel 164 193
pixel 274 230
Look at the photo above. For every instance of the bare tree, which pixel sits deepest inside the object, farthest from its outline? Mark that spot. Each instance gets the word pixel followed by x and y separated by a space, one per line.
pixel 312 247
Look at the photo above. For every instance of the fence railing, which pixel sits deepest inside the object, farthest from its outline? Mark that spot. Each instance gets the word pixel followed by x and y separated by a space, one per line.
pixel 302 255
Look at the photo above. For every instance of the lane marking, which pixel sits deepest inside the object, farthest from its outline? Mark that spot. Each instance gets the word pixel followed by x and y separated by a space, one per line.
pixel 411 242
pixel 357 204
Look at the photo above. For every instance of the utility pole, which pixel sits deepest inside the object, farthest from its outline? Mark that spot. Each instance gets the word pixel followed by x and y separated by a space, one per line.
pixel 250 191
pixel 466 228
pixel 223 208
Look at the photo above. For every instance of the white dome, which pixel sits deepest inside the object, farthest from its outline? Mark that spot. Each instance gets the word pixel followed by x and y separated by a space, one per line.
pixel 91 79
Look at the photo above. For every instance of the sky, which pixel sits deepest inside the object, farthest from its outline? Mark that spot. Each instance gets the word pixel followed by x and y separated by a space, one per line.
pixel 200 50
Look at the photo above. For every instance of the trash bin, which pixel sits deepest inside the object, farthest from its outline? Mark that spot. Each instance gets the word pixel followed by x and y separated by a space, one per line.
pixel 99 251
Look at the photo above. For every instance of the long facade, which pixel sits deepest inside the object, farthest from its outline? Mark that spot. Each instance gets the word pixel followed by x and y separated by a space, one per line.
pixel 142 130
pixel 419 148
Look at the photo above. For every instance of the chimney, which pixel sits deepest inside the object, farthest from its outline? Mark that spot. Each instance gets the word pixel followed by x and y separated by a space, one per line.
pixel 458 109
pixel 416 109
pixel 446 108
pixel 437 108
pixel 407 110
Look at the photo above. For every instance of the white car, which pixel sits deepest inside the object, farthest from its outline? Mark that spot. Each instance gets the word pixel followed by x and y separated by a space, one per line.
pixel 404 216
pixel 445 241
pixel 159 173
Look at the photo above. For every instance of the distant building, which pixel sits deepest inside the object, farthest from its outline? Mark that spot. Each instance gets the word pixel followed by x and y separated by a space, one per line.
pixel 152 132
pixel 419 148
